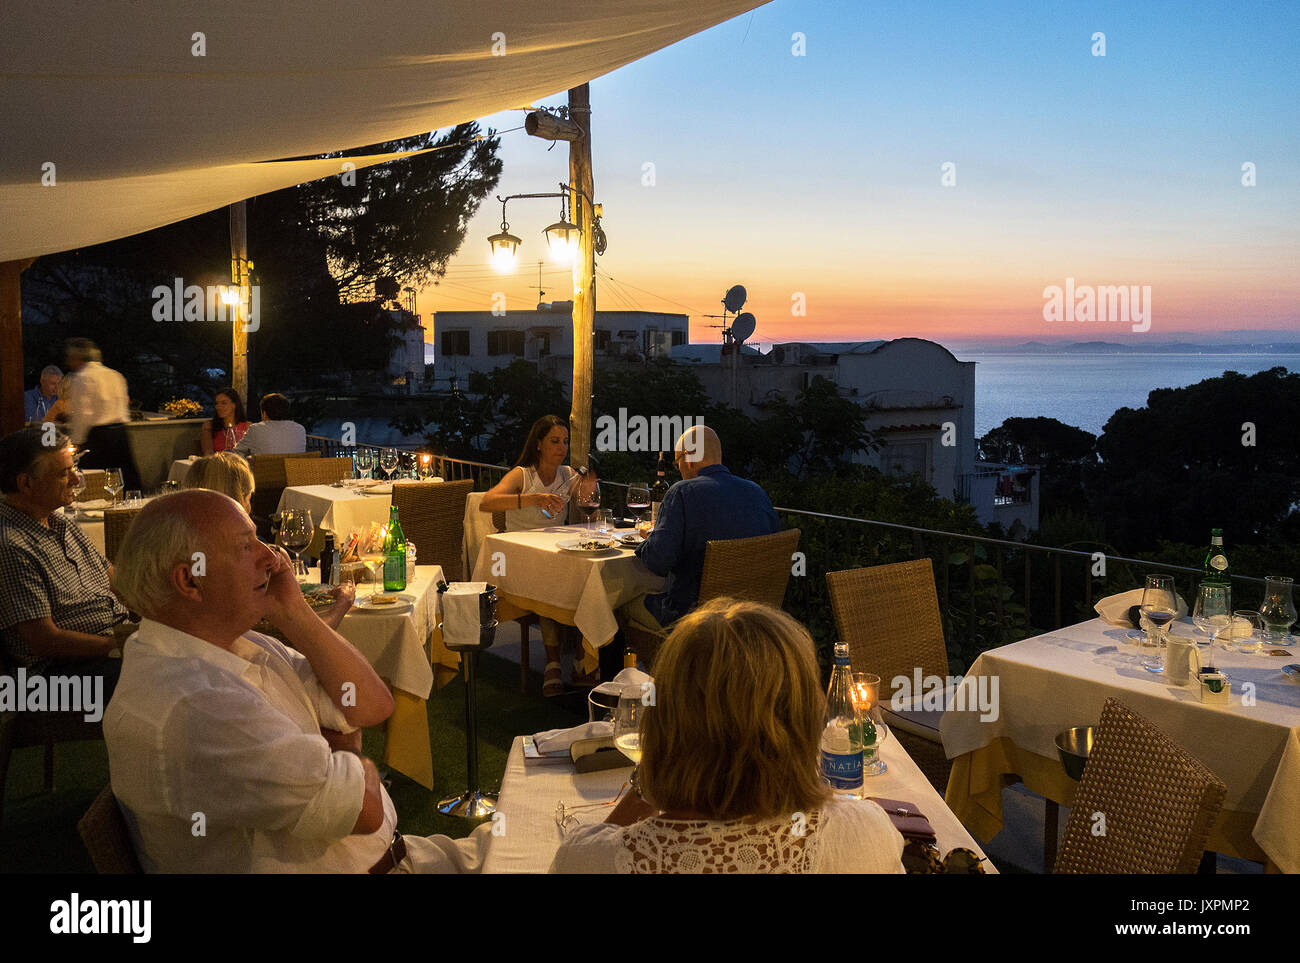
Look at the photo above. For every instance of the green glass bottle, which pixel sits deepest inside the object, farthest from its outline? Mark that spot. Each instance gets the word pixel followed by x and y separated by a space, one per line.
pixel 394 554
pixel 1216 560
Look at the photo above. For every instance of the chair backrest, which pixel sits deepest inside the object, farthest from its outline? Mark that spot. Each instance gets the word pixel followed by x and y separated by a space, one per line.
pixel 268 470
pixel 315 471
pixel 116 523
pixel 94 490
pixel 889 616
pixel 478 526
pixel 752 569
pixel 1158 802
pixel 107 839
pixel 433 516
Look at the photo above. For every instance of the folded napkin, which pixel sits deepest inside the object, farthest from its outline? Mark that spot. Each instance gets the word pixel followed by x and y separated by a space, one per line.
pixel 630 681
pixel 555 741
pixel 460 612
pixel 92 504
pixel 1115 609
pixel 907 819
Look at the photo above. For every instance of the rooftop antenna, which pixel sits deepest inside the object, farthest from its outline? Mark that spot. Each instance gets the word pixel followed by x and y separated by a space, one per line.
pixel 540 292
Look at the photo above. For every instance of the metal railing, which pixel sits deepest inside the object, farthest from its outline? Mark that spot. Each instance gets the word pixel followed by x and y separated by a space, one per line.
pixel 991 591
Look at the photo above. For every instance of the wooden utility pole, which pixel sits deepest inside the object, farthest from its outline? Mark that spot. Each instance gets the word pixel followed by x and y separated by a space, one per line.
pixel 584 278
pixel 12 415
pixel 239 277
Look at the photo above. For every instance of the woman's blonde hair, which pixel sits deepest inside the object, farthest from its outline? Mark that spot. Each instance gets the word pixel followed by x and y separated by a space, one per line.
pixel 224 472
pixel 736 725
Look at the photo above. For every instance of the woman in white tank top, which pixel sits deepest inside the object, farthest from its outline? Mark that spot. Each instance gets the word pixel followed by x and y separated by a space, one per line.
pixel 537 493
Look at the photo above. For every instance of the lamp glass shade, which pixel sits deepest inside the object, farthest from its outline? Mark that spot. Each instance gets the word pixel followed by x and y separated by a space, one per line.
pixel 562 239
pixel 504 246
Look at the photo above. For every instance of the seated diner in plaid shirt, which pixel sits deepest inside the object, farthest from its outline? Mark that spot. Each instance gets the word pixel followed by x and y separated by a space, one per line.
pixel 57 612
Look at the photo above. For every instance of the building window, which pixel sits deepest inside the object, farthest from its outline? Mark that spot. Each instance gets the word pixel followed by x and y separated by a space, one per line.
pixel 506 342
pixel 910 458
pixel 649 339
pixel 679 337
pixel 543 344
pixel 455 343
pixel 602 339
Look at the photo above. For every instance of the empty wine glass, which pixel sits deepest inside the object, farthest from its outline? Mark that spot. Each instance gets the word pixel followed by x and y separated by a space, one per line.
pixel 113 483
pixel 1160 606
pixel 1210 613
pixel 365 462
pixel 295 534
pixel 388 462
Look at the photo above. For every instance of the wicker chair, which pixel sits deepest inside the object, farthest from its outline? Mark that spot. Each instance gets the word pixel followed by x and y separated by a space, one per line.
pixel 94 489
pixel 889 616
pixel 750 569
pixel 1158 802
pixel 104 832
pixel 268 478
pixel 116 523
pixel 315 471
pixel 433 517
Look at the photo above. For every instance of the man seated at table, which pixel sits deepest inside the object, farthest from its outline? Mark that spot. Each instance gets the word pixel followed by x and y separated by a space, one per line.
pixel 228 751
pixel 709 503
pixel 39 400
pixel 57 612
pixel 275 433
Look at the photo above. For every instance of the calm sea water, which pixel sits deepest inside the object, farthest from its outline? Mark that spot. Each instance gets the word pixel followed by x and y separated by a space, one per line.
pixel 1085 390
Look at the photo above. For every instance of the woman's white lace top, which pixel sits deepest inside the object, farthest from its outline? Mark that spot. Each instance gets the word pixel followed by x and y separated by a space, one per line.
pixel 845 836
pixel 530 516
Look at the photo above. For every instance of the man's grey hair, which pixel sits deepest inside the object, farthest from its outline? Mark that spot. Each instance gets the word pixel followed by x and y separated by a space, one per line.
pixel 162 536
pixel 82 349
pixel 21 453
pixel 51 369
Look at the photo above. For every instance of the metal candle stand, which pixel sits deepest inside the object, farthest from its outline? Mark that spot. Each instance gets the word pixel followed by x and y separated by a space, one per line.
pixel 472 804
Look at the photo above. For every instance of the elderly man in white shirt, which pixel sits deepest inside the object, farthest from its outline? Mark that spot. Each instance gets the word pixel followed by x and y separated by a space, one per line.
pixel 228 751
pixel 275 433
pixel 99 409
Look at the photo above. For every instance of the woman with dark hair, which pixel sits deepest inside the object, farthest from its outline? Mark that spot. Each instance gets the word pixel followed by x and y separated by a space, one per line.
pixel 227 427
pixel 536 493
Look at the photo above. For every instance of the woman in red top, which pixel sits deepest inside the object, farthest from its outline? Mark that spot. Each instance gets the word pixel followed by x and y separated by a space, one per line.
pixel 224 431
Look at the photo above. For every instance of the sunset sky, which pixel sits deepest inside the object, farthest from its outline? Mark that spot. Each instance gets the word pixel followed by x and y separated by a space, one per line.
pixel 821 173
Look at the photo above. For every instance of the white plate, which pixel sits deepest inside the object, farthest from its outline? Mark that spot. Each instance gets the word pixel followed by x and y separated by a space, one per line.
pixel 631 539
pixel 403 603
pixel 573 546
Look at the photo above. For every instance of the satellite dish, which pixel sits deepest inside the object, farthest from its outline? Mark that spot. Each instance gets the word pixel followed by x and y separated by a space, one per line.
pixel 734 299
pixel 742 327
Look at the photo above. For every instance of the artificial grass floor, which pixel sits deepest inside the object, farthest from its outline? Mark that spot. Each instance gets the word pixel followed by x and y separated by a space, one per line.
pixel 39 829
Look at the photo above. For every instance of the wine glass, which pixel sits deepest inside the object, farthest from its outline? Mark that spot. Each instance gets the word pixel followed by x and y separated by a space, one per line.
pixel 375 567
pixel 1159 606
pixel 78 484
pixel 365 462
pixel 589 502
pixel 231 440
pixel 865 695
pixel 638 498
pixel 113 483
pixel 629 719
pixel 1210 613
pixel 296 532
pixel 388 462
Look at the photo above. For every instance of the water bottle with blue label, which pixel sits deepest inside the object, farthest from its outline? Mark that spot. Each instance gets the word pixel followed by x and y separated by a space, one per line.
pixel 841 743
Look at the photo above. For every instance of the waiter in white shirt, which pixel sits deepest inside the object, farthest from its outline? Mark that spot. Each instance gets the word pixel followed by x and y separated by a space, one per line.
pixel 98 404
pixel 275 433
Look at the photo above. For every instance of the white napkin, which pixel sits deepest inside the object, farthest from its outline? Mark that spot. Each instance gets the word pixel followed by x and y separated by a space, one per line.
pixel 460 612
pixel 559 740
pixel 92 504
pixel 629 680
pixel 1114 608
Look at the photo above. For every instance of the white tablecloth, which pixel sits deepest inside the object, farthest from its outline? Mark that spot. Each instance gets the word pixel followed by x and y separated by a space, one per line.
pixel 530 791
pixel 394 642
pixel 1055 681
pixel 341 510
pixel 180 467
pixel 529 565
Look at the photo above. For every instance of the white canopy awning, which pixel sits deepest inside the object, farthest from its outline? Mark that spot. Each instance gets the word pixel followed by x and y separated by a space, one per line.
pixel 146 123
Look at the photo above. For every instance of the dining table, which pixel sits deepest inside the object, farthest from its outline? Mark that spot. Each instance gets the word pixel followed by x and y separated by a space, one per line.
pixel 534 573
pixel 529 834
pixel 1058 680
pixel 344 508
pixel 395 642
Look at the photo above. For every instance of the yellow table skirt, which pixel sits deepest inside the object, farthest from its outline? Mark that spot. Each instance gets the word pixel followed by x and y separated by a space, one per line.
pixel 978 778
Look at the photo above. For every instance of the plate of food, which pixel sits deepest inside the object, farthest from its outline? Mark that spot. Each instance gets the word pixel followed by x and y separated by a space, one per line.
pixel 586 546
pixel 631 539
pixel 385 602
pixel 316 596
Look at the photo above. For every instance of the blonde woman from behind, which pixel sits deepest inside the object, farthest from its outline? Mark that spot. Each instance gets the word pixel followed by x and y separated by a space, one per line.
pixel 728 781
